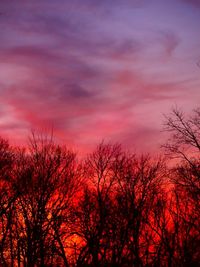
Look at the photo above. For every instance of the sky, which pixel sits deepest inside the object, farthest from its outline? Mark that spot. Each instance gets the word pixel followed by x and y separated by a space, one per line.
pixel 97 69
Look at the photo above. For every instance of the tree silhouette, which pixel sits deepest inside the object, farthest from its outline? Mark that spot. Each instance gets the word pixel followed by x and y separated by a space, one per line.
pixel 184 144
pixel 114 208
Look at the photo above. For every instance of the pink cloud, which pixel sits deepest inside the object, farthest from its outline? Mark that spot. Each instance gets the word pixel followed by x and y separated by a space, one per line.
pixel 96 71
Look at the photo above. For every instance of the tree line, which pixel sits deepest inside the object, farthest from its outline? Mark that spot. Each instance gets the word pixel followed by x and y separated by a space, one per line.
pixel 114 208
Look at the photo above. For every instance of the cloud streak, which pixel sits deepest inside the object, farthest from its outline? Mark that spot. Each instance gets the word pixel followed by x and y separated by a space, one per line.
pixel 94 70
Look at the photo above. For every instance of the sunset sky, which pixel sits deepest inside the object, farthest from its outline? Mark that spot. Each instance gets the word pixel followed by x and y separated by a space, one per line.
pixel 97 69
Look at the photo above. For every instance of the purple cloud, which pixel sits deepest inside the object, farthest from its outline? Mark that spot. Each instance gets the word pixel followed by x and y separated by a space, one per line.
pixel 93 70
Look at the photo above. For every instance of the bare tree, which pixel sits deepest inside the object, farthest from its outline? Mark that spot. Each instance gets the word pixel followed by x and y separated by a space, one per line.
pixel 7 200
pixel 139 184
pixel 184 145
pixel 185 133
pixel 116 208
pixel 95 205
pixel 47 179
